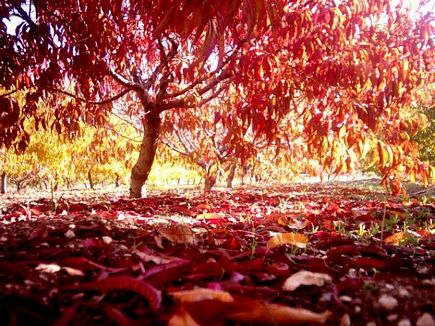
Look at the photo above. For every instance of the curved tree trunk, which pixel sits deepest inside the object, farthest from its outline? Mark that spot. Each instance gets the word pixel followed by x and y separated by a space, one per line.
pixel 209 182
pixel 231 174
pixel 142 168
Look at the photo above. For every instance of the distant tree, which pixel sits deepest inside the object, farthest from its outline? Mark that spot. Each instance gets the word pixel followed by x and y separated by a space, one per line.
pixel 425 138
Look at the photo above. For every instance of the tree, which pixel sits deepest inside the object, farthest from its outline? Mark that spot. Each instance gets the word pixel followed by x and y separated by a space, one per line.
pixel 202 137
pixel 425 137
pixel 348 60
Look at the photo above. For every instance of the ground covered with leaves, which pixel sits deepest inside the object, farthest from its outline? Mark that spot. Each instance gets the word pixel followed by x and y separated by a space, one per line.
pixel 308 254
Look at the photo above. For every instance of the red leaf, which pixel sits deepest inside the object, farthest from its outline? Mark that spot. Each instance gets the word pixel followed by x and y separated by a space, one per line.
pixel 67 316
pixel 124 283
pixel 116 315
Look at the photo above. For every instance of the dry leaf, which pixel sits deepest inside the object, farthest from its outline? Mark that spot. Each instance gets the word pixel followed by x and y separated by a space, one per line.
pixel 388 302
pixel 48 268
pixel 274 314
pixel 306 278
pixel 210 216
pixel 182 318
pixel 201 294
pixel 295 239
pixel 396 238
pixel 107 240
pixel 177 233
pixel 73 271
pixel 297 224
pixel 204 207
pixel 157 259
pixel 425 320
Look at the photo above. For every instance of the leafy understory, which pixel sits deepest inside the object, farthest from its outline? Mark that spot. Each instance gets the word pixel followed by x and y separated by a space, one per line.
pixel 308 254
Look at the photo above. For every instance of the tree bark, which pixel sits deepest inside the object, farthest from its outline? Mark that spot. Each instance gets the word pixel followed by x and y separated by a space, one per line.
pixel 117 180
pixel 231 174
pixel 142 168
pixel 91 182
pixel 209 182
pixel 3 184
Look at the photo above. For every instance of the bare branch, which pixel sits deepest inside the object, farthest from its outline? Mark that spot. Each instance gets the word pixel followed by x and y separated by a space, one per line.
pixel 124 136
pixel 212 96
pixel 125 82
pixel 206 77
pixel 126 121
pixel 182 103
pixel 187 144
pixel 111 99
pixel 179 151
pixel 168 74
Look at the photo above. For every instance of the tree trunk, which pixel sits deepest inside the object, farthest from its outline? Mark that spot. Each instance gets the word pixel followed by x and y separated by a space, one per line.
pixel 117 180
pixel 91 181
pixel 231 174
pixel 209 182
pixel 3 183
pixel 142 168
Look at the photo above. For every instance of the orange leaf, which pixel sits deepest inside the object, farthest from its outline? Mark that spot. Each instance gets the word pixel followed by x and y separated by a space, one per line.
pixel 275 314
pixel 295 239
pixel 201 294
pixel 182 318
pixel 398 237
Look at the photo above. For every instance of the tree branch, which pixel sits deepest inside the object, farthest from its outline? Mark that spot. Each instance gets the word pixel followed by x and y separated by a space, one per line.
pixel 124 136
pixel 182 103
pixel 125 121
pixel 167 75
pixel 111 99
pixel 179 151
pixel 125 82
pixel 205 78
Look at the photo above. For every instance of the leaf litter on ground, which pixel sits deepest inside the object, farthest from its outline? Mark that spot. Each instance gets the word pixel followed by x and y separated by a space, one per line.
pixel 286 255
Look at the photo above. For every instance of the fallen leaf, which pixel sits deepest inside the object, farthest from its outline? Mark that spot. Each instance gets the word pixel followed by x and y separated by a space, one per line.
pixel 118 316
pixel 306 278
pixel 73 271
pixel 295 239
pixel 156 259
pixel 177 233
pixel 48 268
pixel 398 237
pixel 388 302
pixel 107 240
pixel 425 320
pixel 395 239
pixel 210 216
pixel 123 283
pixel 182 318
pixel 204 207
pixel 201 294
pixel 298 224
pixel 70 234
pixel 275 314
pixel 67 316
